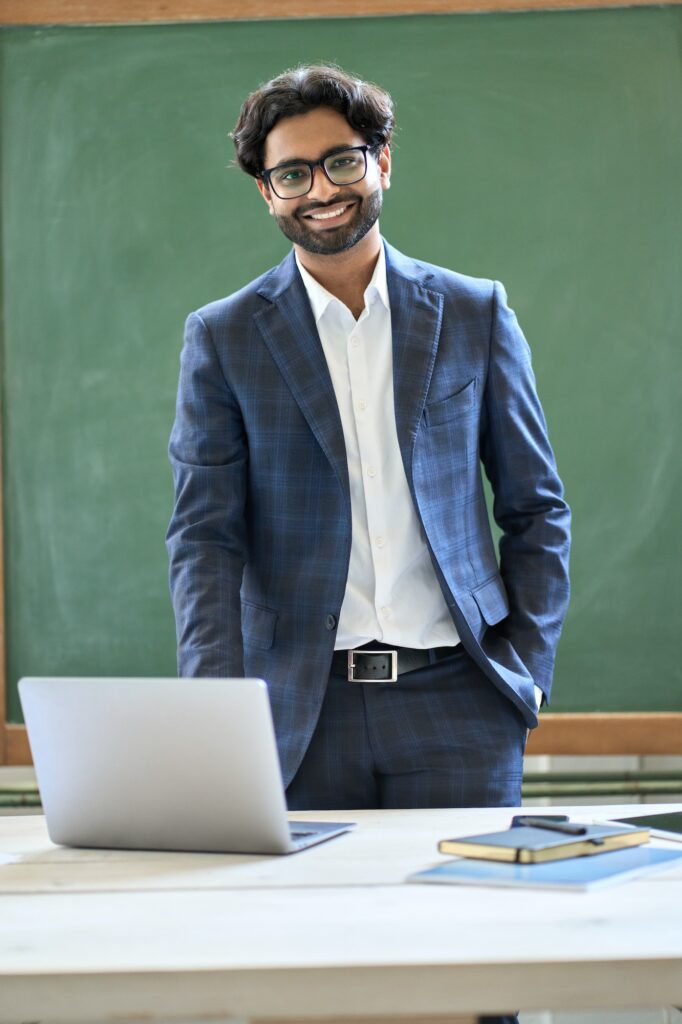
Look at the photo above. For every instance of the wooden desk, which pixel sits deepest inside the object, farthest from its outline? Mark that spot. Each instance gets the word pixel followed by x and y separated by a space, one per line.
pixel 332 932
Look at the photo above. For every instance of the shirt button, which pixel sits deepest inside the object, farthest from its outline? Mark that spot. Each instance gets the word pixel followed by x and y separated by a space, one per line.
pixel 371 471
pixel 330 621
pixel 362 405
pixel 380 541
pixel 355 342
pixel 386 612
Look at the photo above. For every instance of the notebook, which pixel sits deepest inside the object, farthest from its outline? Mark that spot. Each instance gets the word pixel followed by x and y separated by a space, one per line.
pixel 578 873
pixel 161 764
pixel 525 844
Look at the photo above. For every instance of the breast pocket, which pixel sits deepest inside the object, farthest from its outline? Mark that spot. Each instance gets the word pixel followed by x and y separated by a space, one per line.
pixel 451 408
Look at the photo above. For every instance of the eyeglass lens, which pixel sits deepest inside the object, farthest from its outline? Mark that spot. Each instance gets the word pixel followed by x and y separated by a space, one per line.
pixel 341 168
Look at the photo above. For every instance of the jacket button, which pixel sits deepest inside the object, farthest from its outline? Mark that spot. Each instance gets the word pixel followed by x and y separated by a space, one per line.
pixel 330 621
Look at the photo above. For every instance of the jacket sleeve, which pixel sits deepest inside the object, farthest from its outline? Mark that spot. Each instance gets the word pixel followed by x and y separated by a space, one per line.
pixel 528 505
pixel 207 536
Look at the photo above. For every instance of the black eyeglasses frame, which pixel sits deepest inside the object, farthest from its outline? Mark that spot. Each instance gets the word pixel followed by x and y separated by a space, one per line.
pixel 313 165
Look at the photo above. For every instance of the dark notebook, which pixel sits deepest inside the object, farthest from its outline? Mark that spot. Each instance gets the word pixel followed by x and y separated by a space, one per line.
pixel 526 844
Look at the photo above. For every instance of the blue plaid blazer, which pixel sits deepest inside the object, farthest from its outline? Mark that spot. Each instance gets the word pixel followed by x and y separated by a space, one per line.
pixel 259 539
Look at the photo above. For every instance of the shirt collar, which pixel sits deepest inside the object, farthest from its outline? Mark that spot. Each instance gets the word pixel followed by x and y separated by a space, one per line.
pixel 320 298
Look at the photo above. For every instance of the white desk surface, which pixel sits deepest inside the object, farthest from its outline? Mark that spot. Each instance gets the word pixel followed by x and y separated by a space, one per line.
pixel 332 931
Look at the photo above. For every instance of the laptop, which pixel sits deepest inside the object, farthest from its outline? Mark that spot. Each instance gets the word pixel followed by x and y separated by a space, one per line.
pixel 162 764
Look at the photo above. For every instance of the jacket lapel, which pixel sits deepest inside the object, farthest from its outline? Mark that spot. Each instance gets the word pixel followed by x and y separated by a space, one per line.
pixel 288 329
pixel 416 315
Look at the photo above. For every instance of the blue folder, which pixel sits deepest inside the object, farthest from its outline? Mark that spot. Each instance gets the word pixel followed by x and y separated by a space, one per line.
pixel 576 873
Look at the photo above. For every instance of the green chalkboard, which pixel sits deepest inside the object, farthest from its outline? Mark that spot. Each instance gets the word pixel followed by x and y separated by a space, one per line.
pixel 542 149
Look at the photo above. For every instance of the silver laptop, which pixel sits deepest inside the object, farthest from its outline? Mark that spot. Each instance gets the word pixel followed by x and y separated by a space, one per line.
pixel 161 764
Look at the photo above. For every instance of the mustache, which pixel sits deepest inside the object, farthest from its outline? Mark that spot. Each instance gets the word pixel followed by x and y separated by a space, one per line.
pixel 310 207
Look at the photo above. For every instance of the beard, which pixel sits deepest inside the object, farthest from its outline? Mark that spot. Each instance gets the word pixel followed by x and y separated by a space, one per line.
pixel 333 240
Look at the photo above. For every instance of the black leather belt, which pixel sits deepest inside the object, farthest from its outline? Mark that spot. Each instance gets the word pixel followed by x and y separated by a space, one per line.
pixel 379 663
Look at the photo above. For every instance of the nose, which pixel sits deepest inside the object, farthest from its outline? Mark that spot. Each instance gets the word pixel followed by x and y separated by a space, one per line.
pixel 322 188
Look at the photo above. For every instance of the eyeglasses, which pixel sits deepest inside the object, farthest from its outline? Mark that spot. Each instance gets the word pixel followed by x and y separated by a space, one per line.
pixel 295 179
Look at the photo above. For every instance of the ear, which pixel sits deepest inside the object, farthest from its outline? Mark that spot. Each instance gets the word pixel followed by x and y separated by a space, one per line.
pixel 266 194
pixel 384 163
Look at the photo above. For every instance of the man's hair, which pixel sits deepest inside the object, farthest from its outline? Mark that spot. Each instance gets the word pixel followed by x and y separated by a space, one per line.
pixel 367 108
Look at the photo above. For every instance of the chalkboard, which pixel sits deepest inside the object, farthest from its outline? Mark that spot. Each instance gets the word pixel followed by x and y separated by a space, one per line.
pixel 542 149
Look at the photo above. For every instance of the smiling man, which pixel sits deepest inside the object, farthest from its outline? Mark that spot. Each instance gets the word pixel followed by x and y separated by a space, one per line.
pixel 323 229
pixel 330 532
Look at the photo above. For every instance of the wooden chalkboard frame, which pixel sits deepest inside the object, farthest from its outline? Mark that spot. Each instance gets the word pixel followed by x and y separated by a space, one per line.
pixel 111 12
pixel 4 759
pixel 590 733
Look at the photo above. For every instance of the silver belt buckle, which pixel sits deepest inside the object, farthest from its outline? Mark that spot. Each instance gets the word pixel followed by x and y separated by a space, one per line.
pixel 393 678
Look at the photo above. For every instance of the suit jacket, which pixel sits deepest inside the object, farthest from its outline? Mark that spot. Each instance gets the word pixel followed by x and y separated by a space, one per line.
pixel 260 536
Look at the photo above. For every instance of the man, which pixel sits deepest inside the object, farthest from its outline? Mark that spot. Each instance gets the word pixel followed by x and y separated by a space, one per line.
pixel 332 420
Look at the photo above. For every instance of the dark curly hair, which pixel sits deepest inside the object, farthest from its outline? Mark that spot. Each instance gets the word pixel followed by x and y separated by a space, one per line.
pixel 367 108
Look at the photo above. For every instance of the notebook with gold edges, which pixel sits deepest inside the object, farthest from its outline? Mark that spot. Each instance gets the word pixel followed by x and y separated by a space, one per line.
pixel 526 844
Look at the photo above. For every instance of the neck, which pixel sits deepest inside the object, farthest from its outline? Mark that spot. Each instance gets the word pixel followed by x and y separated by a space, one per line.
pixel 346 274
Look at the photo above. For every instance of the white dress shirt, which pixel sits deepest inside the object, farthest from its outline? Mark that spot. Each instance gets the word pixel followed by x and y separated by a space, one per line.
pixel 392 593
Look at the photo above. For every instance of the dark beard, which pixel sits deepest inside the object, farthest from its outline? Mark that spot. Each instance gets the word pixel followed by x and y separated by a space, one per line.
pixel 334 240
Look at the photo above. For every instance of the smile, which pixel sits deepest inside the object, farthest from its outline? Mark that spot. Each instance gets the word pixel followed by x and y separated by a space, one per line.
pixel 332 214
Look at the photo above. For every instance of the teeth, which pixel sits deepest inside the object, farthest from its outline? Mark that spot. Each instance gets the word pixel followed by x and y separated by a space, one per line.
pixel 327 216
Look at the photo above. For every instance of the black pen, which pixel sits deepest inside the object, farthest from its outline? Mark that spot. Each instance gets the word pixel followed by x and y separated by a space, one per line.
pixel 552 826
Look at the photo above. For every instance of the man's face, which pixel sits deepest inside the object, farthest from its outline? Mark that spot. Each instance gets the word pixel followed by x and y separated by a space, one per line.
pixel 330 218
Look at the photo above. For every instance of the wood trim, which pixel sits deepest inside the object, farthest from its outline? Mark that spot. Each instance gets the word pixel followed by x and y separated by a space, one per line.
pixel 589 733
pixel 17 749
pixel 3 651
pixel 113 12
pixel 597 733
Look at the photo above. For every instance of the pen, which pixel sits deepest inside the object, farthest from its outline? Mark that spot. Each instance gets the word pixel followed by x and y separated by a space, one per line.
pixel 552 826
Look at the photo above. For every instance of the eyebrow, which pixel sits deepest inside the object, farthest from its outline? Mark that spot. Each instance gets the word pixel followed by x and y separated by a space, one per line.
pixel 302 160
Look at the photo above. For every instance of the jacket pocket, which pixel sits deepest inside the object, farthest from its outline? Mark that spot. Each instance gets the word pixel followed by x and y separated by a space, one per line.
pixel 491 598
pixel 451 407
pixel 258 625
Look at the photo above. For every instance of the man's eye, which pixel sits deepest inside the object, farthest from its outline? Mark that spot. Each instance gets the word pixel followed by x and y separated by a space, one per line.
pixel 290 174
pixel 343 161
